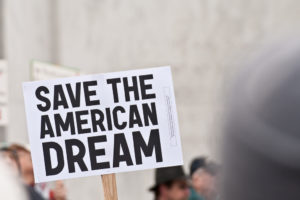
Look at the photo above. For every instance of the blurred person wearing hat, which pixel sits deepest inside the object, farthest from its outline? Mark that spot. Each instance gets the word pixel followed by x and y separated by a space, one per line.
pixel 170 184
pixel 203 175
pixel 26 168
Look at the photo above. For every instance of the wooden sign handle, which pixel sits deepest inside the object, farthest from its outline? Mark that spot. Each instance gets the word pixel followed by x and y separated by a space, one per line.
pixel 109 186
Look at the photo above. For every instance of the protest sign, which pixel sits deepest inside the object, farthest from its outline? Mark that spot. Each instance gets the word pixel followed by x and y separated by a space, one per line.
pixel 102 124
pixel 3 82
pixel 3 115
pixel 3 93
pixel 44 71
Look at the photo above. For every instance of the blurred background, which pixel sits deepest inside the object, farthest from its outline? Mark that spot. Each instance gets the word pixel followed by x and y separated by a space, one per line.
pixel 201 40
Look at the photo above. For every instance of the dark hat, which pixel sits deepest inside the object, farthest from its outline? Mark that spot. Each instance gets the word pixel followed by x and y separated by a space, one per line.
pixel 197 163
pixel 163 175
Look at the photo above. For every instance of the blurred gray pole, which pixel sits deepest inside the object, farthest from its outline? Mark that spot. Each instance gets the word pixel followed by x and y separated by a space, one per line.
pixel 262 133
pixel 2 129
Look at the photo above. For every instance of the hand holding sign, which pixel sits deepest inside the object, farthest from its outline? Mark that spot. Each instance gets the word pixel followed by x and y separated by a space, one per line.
pixel 102 124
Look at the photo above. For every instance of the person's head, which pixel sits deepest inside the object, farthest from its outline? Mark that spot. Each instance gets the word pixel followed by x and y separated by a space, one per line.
pixel 11 158
pixel 171 184
pixel 196 164
pixel 173 190
pixel 25 163
pixel 203 179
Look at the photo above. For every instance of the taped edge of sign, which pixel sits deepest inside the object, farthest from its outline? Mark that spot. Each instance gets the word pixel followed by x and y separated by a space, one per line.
pixel 173 140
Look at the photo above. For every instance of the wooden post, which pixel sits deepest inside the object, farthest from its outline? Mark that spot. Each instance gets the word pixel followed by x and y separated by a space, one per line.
pixel 109 187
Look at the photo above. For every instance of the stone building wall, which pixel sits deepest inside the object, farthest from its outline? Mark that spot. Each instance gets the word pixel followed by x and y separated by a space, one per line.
pixel 200 39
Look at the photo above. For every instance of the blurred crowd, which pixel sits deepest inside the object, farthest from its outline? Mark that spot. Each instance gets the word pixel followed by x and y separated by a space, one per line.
pixel 260 158
pixel 17 159
pixel 171 183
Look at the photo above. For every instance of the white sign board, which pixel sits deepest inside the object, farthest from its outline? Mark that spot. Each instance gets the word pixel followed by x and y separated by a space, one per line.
pixel 102 124
pixel 3 115
pixel 45 71
pixel 3 82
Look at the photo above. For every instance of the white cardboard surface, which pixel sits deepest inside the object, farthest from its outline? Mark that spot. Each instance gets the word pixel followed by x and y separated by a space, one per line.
pixel 166 114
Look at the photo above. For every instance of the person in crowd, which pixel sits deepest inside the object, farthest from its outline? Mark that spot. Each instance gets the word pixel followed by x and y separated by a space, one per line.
pixel 26 168
pixel 10 186
pixel 197 175
pixel 203 179
pixel 262 131
pixel 11 159
pixel 212 169
pixel 171 183
pixel 25 163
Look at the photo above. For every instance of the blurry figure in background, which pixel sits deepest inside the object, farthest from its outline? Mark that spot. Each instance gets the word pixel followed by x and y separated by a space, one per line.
pixel 197 175
pixel 170 184
pixel 10 187
pixel 212 169
pixel 262 131
pixel 59 191
pixel 25 163
pixel 203 175
pixel 11 159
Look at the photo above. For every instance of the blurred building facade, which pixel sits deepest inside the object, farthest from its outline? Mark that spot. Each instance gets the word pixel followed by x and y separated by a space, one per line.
pixel 198 38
